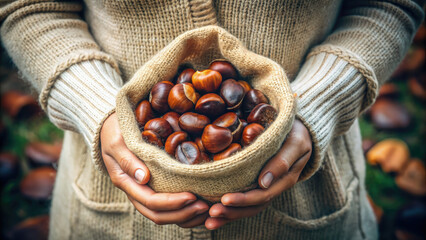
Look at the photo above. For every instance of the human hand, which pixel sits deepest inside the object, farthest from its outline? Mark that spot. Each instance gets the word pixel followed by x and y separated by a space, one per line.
pixel 279 174
pixel 130 175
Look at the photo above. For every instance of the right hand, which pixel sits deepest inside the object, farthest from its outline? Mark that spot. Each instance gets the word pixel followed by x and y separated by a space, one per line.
pixel 130 174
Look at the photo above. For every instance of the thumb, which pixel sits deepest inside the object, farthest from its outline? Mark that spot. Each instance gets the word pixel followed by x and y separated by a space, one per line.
pixel 132 165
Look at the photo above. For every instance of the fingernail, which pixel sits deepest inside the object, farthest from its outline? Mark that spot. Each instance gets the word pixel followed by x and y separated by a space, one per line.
pixel 189 202
pixel 139 175
pixel 267 180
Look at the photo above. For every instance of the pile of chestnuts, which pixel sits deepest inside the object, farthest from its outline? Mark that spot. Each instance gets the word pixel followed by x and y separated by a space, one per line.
pixel 204 114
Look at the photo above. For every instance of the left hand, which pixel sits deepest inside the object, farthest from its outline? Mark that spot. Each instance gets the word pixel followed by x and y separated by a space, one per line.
pixel 279 174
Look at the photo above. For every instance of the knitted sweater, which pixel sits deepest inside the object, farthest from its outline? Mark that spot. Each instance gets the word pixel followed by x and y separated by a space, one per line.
pixel 337 53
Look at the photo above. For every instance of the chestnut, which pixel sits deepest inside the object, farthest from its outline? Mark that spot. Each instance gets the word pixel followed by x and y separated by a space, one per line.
pixel 232 122
pixel 200 144
pixel 210 105
pixel 193 123
pixel 152 138
pixel 185 76
pixel 215 138
pixel 263 113
pixel 188 153
pixel 173 119
pixel 252 98
pixel 232 93
pixel 144 113
pixel 245 85
pixel 182 97
pixel 251 132
pixel 159 95
pixel 174 140
pixel 233 148
pixel 207 80
pixel 160 126
pixel 38 183
pixel 226 69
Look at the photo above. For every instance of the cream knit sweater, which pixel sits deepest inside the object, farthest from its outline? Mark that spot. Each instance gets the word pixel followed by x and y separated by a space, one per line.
pixel 337 53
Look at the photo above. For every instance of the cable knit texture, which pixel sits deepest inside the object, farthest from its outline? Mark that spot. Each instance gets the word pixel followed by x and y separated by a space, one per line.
pixel 82 98
pixel 336 52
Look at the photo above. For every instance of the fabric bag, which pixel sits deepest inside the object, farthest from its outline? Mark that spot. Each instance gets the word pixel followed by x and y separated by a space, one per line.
pixel 239 172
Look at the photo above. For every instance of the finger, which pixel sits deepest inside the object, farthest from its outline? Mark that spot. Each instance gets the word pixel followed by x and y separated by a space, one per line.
pixel 213 223
pixel 197 221
pixel 143 193
pixel 263 196
pixel 296 146
pixel 175 216
pixel 113 145
pixel 232 213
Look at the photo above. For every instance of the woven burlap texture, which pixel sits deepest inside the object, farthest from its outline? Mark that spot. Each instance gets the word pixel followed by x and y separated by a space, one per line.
pixel 236 173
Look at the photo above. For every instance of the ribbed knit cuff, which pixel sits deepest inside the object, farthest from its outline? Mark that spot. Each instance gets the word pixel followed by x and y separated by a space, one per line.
pixel 82 98
pixel 330 93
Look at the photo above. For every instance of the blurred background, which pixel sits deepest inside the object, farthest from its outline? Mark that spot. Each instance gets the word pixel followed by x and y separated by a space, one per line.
pixel 394 143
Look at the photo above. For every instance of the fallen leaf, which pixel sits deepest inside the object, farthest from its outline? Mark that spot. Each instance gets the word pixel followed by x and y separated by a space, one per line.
pixel 416 88
pixel 413 178
pixel 36 228
pixel 18 105
pixel 389 115
pixel 389 91
pixel 391 154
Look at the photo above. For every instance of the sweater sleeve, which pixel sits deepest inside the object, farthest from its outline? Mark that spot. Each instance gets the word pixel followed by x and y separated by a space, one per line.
pixel 53 49
pixel 341 77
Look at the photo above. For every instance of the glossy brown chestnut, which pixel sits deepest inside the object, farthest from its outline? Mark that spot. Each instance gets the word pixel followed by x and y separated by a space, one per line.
pixel 226 69
pixel 251 132
pixel 207 80
pixel 159 126
pixel 38 183
pixel 251 99
pixel 144 113
pixel 200 144
pixel 188 153
pixel 233 148
pixel 211 105
pixel 232 93
pixel 193 123
pixel 215 138
pixel 174 140
pixel 173 119
pixel 43 153
pixel 232 122
pixel 263 113
pixel 159 95
pixel 185 76
pixel 245 85
pixel 182 97
pixel 152 138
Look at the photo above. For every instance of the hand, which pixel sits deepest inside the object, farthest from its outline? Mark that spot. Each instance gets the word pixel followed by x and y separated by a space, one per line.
pixel 130 174
pixel 279 174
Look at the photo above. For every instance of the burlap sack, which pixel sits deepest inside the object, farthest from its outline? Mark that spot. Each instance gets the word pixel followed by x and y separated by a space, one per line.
pixel 236 173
